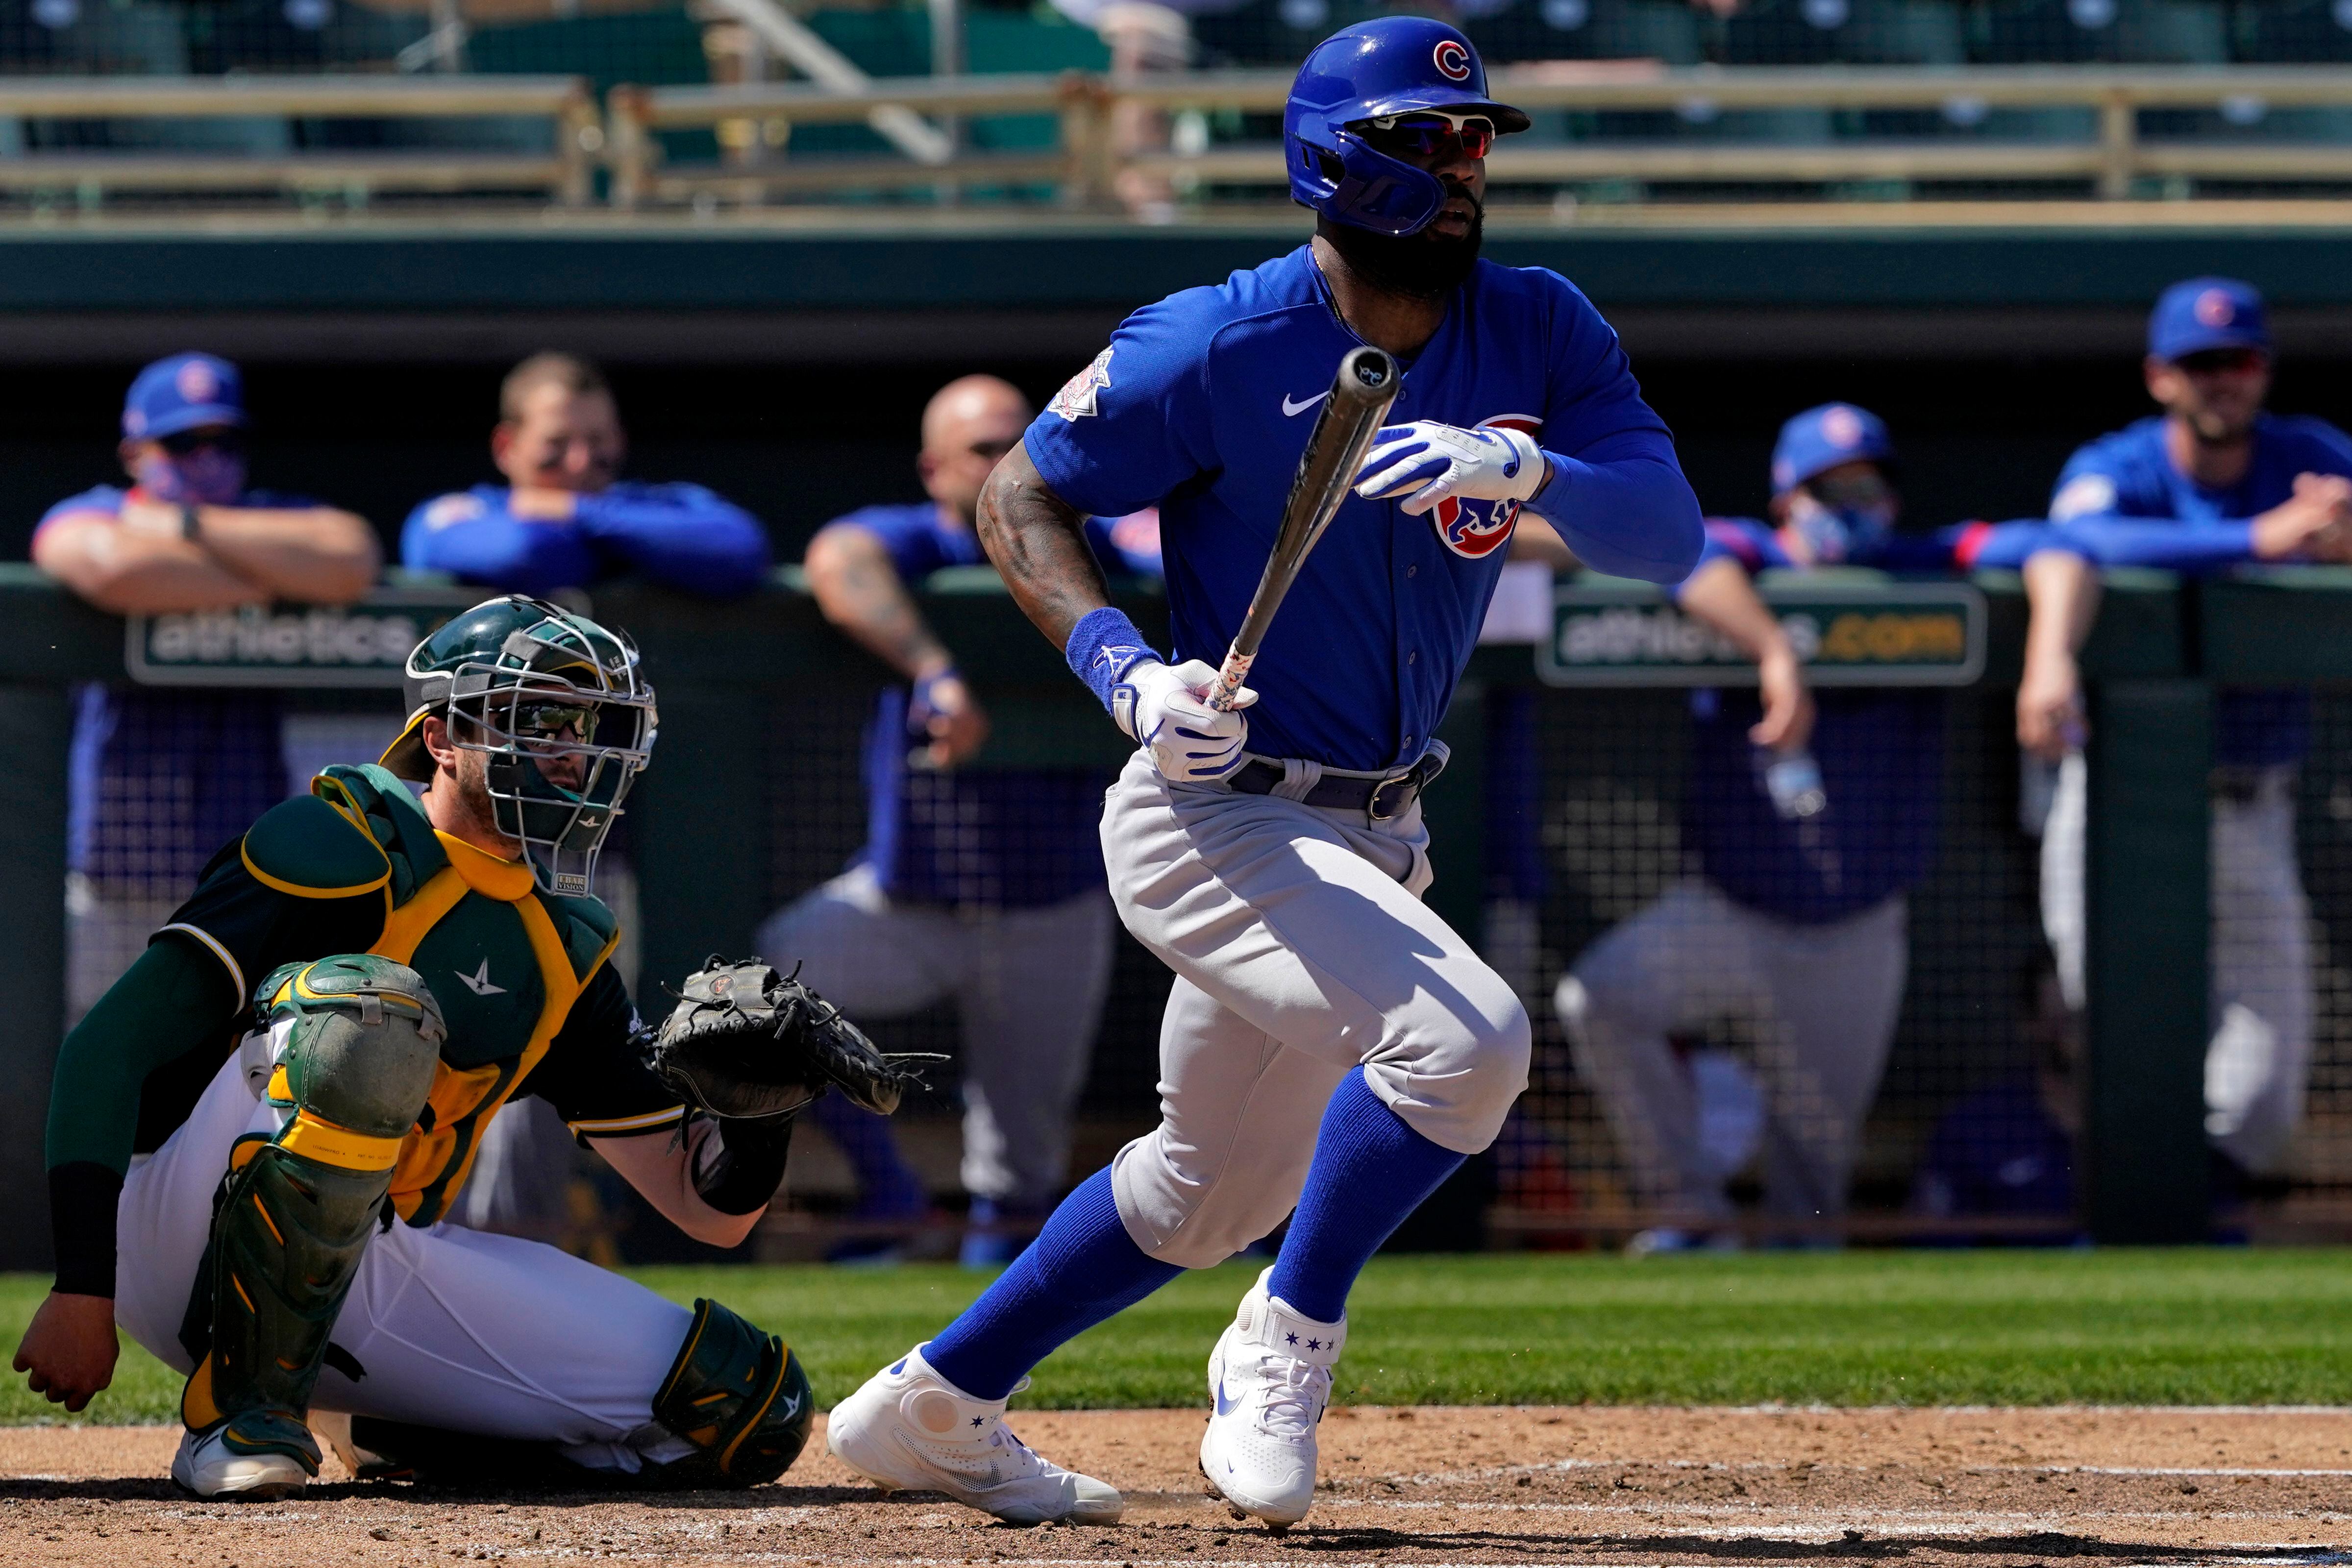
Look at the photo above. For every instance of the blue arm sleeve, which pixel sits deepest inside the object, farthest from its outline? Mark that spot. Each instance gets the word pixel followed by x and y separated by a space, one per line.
pixel 1626 508
pixel 480 542
pixel 2112 540
pixel 681 535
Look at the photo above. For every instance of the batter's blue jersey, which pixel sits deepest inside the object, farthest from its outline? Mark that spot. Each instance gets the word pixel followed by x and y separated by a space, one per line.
pixel 1202 405
pixel 679 534
pixel 979 837
pixel 2123 503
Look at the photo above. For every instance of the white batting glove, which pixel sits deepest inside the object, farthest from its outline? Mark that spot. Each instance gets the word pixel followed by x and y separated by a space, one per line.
pixel 1163 710
pixel 1434 461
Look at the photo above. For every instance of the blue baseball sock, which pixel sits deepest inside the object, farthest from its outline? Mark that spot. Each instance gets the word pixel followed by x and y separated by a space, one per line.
pixel 1370 1172
pixel 1083 1267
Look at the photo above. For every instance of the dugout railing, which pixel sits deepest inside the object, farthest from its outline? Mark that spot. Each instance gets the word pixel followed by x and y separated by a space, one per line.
pixel 743 809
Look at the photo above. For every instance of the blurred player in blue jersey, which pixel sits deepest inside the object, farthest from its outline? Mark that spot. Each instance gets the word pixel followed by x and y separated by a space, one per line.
pixel 2212 482
pixel 980 884
pixel 1331 1049
pixel 565 518
pixel 158 777
pixel 1811 820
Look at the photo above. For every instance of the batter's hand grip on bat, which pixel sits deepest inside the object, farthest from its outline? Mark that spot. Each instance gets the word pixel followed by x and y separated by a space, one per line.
pixel 1361 393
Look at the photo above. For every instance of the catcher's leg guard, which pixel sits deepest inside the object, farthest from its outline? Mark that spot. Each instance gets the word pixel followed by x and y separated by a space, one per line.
pixel 360 1037
pixel 740 1396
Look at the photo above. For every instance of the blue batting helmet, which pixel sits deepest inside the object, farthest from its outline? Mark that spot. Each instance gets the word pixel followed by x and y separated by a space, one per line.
pixel 1391 65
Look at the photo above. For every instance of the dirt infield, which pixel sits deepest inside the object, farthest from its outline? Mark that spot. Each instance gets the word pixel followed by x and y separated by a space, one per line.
pixel 1420 1486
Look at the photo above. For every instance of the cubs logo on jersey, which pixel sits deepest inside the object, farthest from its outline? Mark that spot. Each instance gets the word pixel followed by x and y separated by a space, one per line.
pixel 1475 529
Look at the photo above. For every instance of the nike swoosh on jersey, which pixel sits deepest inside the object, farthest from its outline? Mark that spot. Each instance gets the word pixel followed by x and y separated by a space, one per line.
pixel 1292 410
pixel 479 982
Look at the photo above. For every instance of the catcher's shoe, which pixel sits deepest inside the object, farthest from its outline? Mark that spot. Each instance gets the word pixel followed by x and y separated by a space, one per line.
pixel 911 1430
pixel 1269 1378
pixel 255 1454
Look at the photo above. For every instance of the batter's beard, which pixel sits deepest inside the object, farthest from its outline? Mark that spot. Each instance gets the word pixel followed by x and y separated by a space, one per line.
pixel 1424 266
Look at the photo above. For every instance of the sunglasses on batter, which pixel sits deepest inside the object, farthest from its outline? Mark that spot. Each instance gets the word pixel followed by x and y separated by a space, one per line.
pixel 1423 132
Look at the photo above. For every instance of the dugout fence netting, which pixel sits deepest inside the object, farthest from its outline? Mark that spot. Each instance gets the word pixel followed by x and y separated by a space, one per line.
pixel 1598 820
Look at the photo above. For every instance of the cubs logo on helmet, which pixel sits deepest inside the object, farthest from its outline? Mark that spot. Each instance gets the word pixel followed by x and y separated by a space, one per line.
pixel 1453 61
pixel 1475 529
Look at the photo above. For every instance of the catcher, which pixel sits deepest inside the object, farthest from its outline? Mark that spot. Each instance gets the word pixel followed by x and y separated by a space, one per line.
pixel 297 1072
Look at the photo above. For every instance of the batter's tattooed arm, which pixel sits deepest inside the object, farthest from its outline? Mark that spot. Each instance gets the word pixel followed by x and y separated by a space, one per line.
pixel 1038 543
pixel 850 573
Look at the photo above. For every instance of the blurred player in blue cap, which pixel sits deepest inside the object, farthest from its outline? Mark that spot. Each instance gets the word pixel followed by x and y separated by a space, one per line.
pixel 158 777
pixel 1812 819
pixel 566 517
pixel 980 883
pixel 2211 482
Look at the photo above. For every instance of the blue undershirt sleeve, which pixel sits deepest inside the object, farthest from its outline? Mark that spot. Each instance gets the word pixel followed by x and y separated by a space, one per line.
pixel 681 535
pixel 2112 540
pixel 1624 508
pixel 478 542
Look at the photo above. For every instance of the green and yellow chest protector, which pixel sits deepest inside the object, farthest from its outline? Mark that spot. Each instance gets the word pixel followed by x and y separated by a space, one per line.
pixel 505 961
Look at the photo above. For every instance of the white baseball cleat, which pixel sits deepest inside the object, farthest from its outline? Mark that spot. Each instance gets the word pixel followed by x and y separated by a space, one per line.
pixel 212 1466
pixel 1269 1378
pixel 909 1429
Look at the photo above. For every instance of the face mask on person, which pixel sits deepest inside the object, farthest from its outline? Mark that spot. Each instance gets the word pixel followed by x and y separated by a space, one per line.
pixel 210 475
pixel 1847 521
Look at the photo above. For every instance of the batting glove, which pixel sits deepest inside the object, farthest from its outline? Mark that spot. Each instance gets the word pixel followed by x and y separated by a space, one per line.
pixel 1434 461
pixel 1163 710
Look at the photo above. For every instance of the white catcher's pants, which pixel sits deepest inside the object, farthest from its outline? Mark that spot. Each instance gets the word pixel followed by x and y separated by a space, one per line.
pixel 2258 1062
pixel 450 1327
pixel 1029 987
pixel 1821 1001
pixel 1302 951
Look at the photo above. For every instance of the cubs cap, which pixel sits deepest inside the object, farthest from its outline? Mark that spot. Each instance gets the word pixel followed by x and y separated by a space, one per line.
pixel 2201 313
pixel 1820 438
pixel 183 392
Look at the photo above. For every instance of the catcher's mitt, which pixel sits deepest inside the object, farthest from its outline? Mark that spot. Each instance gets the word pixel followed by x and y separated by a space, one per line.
pixel 745 1041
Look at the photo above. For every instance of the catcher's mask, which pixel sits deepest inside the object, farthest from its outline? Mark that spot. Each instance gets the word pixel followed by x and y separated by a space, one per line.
pixel 537 690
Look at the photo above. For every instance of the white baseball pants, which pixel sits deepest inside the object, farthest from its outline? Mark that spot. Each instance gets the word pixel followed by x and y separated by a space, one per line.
pixel 1820 1003
pixel 1029 987
pixel 450 1327
pixel 2258 1062
pixel 1302 952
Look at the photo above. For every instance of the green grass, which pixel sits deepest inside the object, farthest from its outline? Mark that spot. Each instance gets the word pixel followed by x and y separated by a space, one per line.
pixel 1860 1328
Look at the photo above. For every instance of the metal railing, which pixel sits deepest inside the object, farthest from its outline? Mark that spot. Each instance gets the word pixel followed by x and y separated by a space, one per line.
pixel 566 171
pixel 1089 159
pixel 1085 167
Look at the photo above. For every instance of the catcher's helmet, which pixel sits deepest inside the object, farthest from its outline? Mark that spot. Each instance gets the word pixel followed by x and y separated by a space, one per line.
pixel 1389 65
pixel 522 680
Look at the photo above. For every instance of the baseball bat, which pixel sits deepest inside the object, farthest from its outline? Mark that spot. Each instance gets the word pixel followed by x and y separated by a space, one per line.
pixel 1367 382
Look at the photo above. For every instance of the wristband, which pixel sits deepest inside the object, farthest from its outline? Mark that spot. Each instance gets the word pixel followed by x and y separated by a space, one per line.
pixel 1555 481
pixel 191 524
pixel 742 1163
pixel 82 1198
pixel 1104 645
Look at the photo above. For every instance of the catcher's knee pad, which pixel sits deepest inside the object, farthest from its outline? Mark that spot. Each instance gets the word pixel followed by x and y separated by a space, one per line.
pixel 359 1038
pixel 740 1396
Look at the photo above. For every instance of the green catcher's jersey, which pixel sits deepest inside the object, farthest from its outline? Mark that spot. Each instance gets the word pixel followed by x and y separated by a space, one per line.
pixel 522 976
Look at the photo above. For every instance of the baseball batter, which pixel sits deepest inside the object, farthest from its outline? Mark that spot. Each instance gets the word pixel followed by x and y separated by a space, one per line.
pixel 311 1050
pixel 1329 1045
pixel 2210 483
